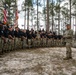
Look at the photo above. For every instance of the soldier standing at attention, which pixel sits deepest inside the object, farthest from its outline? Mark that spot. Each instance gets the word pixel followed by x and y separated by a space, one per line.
pixel 68 35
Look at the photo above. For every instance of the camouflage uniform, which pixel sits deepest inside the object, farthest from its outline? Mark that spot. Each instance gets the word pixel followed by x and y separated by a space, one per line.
pixel 29 42
pixel 58 42
pixel 16 43
pixel 35 42
pixel 19 43
pixel 41 42
pixel 38 42
pixel 0 45
pixel 61 42
pixel 49 42
pixel 68 35
pixel 38 39
pixel 52 42
pixel 5 46
pixel 44 42
pixel 24 44
pixel 10 44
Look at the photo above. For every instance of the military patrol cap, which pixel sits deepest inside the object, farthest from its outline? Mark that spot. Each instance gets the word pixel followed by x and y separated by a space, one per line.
pixel 68 25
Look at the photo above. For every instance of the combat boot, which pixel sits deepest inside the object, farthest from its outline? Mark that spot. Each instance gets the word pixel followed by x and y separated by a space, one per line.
pixel 67 58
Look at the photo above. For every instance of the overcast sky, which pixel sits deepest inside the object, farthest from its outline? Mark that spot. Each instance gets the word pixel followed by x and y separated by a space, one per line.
pixel 21 14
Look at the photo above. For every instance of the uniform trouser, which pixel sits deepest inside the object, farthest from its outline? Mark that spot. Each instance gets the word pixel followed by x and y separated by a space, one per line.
pixel 38 42
pixel 10 44
pixel 24 44
pixel 5 46
pixel 0 44
pixel 50 42
pixel 44 42
pixel 68 50
pixel 29 42
pixel 17 43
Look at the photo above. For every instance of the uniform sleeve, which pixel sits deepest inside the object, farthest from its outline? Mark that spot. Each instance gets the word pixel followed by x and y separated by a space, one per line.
pixel 69 35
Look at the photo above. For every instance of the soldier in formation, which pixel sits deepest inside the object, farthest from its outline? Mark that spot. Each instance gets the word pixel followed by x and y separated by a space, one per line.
pixel 31 37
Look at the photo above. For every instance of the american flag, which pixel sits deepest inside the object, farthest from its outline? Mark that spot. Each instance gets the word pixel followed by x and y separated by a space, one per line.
pixel 5 14
pixel 16 14
pixel 16 18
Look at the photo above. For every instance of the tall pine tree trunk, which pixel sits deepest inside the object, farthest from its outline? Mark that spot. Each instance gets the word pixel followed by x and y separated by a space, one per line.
pixel 37 17
pixel 28 18
pixel 75 22
pixel 59 19
pixel 52 16
pixel 25 17
pixel 70 11
pixel 47 26
pixel 45 14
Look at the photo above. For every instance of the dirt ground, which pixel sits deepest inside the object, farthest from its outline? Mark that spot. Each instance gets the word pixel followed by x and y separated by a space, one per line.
pixel 40 61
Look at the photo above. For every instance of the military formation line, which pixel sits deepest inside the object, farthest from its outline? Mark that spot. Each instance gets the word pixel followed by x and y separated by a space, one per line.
pixel 16 38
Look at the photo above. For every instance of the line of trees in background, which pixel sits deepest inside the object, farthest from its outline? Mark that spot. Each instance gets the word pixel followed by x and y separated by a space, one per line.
pixel 54 14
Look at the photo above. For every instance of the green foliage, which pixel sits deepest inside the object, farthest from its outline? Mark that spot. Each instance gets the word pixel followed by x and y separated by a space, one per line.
pixel 57 8
pixel 73 2
pixel 28 3
pixel 51 9
pixel 8 2
pixel 44 10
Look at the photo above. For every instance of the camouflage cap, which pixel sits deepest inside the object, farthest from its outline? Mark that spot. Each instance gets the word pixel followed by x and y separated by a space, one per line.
pixel 68 25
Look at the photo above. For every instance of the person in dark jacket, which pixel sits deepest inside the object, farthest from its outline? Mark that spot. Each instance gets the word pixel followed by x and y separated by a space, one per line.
pixel 17 32
pixel 10 33
pixel 1 29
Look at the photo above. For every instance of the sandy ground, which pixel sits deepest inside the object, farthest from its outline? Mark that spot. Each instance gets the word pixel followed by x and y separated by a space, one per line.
pixel 40 61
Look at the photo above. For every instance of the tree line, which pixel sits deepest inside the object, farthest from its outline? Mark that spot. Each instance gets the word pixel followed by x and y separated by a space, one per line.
pixel 55 14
